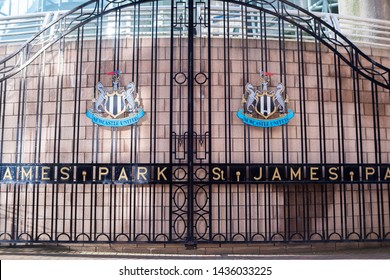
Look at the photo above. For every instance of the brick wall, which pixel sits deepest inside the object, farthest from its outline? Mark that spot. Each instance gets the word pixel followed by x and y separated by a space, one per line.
pixel 267 213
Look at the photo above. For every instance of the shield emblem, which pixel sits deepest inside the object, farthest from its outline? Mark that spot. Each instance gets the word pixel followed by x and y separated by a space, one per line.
pixel 115 105
pixel 265 106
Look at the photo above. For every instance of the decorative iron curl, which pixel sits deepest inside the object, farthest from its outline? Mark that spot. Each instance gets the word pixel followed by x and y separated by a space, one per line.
pixel 13 63
pixel 179 191
pixel 277 237
pixel 111 2
pixel 257 237
pixel 316 236
pixel 83 16
pixel 161 237
pixel 180 219
pixel 306 21
pixel 120 1
pixel 303 19
pixel 201 205
pixel 219 237
pixel 201 222
pixel 372 71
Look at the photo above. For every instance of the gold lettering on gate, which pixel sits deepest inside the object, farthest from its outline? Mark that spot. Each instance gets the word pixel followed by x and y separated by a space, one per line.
pixel 387 175
pixel 44 173
pixel 7 174
pixel 238 173
pixel 160 173
pixel 276 175
pixel 26 175
pixel 65 173
pixel 314 173
pixel 103 171
pixel 260 174
pixel 335 174
pixel 294 174
pixel 123 175
pixel 218 172
pixel 84 173
pixel 257 173
pixel 351 174
pixel 369 171
pixel 143 173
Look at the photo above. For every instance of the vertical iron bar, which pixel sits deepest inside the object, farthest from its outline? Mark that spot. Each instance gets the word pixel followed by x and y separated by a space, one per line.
pixel 379 161
pixel 245 128
pixel 285 148
pixel 264 61
pixel 227 106
pixel 190 240
pixel 152 128
pixel 78 121
pixel 321 114
pixel 210 197
pixel 3 92
pixel 36 187
pixel 95 129
pixel 39 140
pixel 18 152
pixel 74 137
pixel 171 139
pixel 358 134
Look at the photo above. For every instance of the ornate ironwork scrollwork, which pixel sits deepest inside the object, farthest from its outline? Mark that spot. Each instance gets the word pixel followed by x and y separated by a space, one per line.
pixel 179 212
pixel 283 9
pixel 320 30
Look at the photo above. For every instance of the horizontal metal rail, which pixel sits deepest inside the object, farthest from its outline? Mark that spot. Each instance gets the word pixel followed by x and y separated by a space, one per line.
pixel 18 29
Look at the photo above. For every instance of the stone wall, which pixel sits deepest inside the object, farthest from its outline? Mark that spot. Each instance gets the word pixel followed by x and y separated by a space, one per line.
pixel 58 91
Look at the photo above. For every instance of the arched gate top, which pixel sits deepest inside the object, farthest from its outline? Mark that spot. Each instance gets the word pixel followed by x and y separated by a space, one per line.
pixel 283 9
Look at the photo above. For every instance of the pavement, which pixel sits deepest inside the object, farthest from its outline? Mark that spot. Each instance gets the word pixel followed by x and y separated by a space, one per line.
pixel 305 252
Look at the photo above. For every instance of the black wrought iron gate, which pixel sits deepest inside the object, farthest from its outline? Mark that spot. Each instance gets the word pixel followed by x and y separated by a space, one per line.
pixel 190 170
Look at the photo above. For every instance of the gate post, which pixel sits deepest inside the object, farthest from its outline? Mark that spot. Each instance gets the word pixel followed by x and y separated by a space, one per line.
pixel 190 242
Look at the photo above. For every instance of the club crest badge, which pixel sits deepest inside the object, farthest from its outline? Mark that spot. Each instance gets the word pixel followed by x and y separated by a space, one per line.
pixel 263 107
pixel 116 107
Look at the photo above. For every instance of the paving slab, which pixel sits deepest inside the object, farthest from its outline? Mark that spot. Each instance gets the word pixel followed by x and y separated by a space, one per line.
pixel 224 251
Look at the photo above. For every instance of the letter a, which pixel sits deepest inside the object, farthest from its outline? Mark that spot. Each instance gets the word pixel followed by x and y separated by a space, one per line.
pixel 387 175
pixel 123 175
pixel 276 175
pixel 7 175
